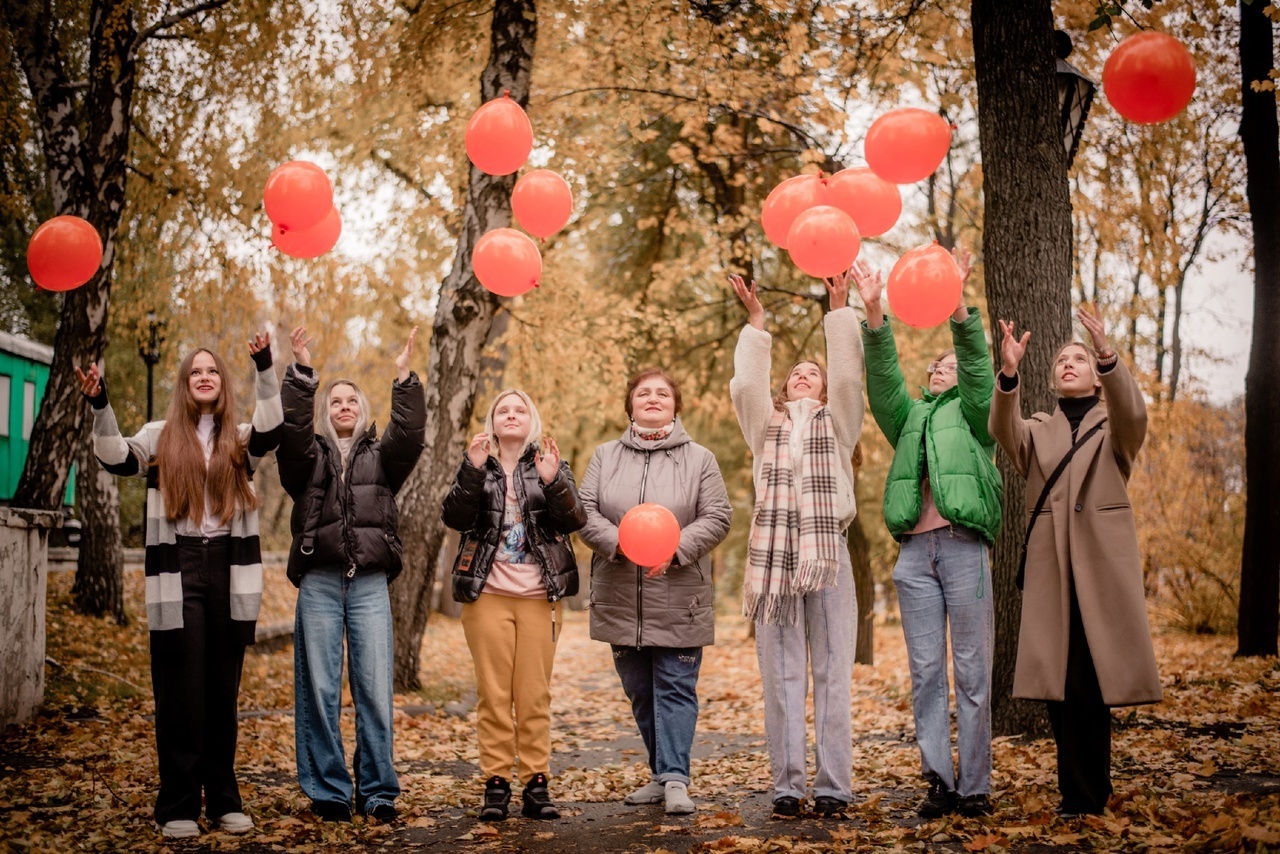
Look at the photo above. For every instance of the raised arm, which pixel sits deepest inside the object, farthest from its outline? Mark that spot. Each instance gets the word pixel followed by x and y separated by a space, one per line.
pixel 1126 407
pixel 406 435
pixel 844 373
pixel 1006 424
pixel 268 412
pixel 752 363
pixel 118 455
pixel 977 381
pixel 886 387
pixel 465 498
pixel 566 513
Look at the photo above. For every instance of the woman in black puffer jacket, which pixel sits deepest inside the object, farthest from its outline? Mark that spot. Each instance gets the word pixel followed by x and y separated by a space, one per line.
pixel 345 552
pixel 515 503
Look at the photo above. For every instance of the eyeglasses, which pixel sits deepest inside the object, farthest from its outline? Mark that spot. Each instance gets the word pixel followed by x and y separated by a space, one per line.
pixel 942 368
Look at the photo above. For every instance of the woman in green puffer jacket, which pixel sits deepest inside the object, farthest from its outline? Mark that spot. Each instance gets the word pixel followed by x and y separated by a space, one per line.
pixel 942 503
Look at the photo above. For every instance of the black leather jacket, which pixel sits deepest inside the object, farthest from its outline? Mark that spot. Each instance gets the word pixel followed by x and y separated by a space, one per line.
pixel 475 506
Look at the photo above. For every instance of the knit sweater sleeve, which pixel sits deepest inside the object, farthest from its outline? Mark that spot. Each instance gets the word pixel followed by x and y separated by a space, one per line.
pixel 749 388
pixel 844 374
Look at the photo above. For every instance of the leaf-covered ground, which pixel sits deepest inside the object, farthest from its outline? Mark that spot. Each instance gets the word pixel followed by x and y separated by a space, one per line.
pixel 1199 772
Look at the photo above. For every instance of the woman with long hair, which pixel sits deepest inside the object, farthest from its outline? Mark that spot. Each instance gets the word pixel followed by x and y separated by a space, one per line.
pixel 798 585
pixel 656 618
pixel 346 550
pixel 1082 580
pixel 203 571
pixel 516 504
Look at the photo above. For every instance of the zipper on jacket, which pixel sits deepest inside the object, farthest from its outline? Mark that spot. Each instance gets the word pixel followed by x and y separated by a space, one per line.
pixel 644 480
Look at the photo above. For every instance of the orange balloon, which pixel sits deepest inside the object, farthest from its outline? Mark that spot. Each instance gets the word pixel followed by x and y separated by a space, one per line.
pixel 906 145
pixel 787 201
pixel 297 196
pixel 1149 77
pixel 542 202
pixel 312 242
pixel 823 241
pixel 924 287
pixel 506 262
pixel 499 137
pixel 874 203
pixel 64 253
pixel 648 534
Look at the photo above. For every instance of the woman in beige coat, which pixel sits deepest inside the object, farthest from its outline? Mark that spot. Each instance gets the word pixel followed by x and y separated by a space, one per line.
pixel 1084 644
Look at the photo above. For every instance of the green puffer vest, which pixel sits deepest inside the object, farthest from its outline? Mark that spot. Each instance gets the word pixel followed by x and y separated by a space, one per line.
pixel 951 428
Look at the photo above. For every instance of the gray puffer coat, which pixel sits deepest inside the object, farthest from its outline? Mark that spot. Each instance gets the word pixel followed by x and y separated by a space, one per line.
pixel 676 609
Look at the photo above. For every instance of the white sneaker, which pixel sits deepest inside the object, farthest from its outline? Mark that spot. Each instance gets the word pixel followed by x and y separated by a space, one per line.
pixel 652 792
pixel 235 822
pixel 181 828
pixel 677 798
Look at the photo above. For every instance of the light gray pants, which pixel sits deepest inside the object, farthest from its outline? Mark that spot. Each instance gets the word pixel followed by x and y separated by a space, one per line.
pixel 823 636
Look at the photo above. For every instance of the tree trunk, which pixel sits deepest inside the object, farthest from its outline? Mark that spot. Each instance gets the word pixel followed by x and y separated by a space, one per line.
pixel 1027 253
pixel 865 588
pixel 99 586
pixel 1259 615
pixel 463 318
pixel 1175 337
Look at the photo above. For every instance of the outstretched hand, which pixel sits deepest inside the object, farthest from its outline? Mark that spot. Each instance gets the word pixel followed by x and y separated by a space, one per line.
pixel 259 342
pixel 547 460
pixel 869 285
pixel 838 289
pixel 750 300
pixel 1092 321
pixel 90 381
pixel 402 360
pixel 1012 349
pixel 964 260
pixel 299 341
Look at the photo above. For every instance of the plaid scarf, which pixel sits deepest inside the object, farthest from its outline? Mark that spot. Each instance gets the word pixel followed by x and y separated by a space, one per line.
pixel 795 538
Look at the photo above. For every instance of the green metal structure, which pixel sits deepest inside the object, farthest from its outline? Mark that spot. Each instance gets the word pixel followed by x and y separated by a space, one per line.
pixel 24 373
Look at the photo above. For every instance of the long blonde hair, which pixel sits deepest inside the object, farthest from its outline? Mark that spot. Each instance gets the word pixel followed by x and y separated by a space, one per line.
pixel 184 477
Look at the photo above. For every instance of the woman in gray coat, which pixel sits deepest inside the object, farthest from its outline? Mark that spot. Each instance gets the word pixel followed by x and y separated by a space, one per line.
pixel 657 618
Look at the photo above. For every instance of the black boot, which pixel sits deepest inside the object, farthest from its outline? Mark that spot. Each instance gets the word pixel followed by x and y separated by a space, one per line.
pixel 537 801
pixel 497 795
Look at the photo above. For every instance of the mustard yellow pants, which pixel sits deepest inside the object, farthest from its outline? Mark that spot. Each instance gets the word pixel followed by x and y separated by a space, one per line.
pixel 513 650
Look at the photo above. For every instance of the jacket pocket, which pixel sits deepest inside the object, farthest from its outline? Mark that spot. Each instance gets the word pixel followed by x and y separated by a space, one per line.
pixel 1113 508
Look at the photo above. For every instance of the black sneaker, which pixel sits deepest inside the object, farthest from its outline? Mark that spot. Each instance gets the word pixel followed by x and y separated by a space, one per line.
pixel 786 806
pixel 829 807
pixel 537 801
pixel 973 806
pixel 331 810
pixel 383 813
pixel 497 795
pixel 939 802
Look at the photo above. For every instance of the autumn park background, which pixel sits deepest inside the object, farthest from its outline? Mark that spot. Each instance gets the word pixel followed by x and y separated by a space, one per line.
pixel 159 122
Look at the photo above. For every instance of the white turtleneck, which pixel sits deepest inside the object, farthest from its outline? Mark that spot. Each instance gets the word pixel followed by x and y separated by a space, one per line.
pixel 210 526
pixel 800 411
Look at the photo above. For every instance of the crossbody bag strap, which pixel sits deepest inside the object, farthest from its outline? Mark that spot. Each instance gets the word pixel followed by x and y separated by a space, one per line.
pixel 1044 496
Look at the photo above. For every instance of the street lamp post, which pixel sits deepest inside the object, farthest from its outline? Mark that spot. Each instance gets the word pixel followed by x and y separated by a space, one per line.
pixel 1075 95
pixel 149 350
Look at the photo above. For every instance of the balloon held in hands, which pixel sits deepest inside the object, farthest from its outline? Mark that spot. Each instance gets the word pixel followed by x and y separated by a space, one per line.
pixel 823 241
pixel 298 196
pixel 648 535
pixel 506 262
pixel 311 242
pixel 499 137
pixel 542 202
pixel 1149 78
pixel 907 145
pixel 924 287
pixel 64 253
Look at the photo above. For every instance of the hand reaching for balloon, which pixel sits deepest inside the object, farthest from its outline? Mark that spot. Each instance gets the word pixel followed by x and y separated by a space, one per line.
pixel 838 289
pixel 90 381
pixel 964 260
pixel 299 341
pixel 755 311
pixel 402 360
pixel 547 460
pixel 660 569
pixel 1012 349
pixel 870 286
pixel 260 342
pixel 478 450
pixel 1092 321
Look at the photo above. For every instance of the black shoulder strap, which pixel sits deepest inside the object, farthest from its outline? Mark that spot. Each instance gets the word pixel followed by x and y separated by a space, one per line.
pixel 1044 494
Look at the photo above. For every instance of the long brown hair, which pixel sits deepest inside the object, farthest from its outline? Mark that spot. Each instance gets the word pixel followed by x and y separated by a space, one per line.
pixel 184 477
pixel 780 399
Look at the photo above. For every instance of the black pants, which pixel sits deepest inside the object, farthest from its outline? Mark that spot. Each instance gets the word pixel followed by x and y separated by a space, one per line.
pixel 195 673
pixel 1082 728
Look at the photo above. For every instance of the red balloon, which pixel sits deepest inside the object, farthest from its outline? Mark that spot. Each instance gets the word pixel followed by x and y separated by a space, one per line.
pixel 924 286
pixel 542 202
pixel 499 137
pixel 64 253
pixel 297 195
pixel 312 242
pixel 906 145
pixel 787 201
pixel 648 534
pixel 823 241
pixel 506 262
pixel 873 202
pixel 1149 77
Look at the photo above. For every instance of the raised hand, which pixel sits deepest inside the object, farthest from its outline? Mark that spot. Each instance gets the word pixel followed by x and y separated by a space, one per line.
pixel 838 289
pixel 1092 321
pixel 299 341
pixel 402 360
pixel 547 460
pixel 259 342
pixel 90 381
pixel 1012 349
pixel 478 450
pixel 869 288
pixel 755 311
pixel 964 260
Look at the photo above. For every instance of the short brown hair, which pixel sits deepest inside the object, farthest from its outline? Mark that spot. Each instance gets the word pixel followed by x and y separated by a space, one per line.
pixel 649 373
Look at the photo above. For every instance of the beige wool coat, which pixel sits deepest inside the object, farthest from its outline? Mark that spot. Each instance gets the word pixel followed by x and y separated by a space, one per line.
pixel 1087 533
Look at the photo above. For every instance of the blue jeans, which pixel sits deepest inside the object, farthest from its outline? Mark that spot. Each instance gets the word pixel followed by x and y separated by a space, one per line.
pixel 943 576
pixel 329 605
pixel 662 685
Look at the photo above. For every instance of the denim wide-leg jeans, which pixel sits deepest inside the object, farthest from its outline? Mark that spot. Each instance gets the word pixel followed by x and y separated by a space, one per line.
pixel 329 606
pixel 943 576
